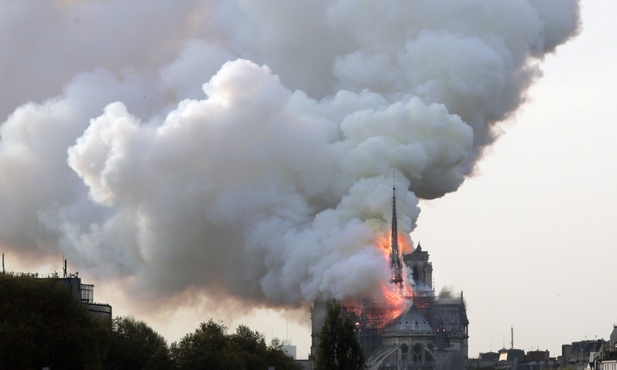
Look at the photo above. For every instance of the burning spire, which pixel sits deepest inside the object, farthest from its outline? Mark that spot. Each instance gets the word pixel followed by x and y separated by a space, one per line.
pixel 395 260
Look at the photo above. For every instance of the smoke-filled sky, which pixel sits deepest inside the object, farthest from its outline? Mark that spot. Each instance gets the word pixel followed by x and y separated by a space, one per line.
pixel 203 158
pixel 531 239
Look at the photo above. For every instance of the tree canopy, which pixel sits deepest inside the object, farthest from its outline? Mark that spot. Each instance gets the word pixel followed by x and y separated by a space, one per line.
pixel 211 347
pixel 43 325
pixel 135 345
pixel 338 346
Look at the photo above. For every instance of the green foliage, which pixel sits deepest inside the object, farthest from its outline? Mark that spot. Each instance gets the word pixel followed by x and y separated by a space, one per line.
pixel 135 345
pixel 251 348
pixel 278 358
pixel 207 348
pixel 42 324
pixel 338 346
pixel 210 347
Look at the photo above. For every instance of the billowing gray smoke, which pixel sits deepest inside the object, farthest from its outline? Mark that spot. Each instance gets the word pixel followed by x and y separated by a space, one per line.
pixel 245 148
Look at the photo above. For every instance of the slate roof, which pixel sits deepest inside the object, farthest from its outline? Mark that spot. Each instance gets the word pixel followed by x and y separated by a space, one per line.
pixel 411 322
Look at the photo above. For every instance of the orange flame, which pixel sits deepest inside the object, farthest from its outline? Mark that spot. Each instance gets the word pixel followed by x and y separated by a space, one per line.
pixel 394 298
pixel 391 300
pixel 384 243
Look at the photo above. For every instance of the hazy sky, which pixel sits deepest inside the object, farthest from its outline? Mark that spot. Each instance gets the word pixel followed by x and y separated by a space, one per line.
pixel 531 239
pixel 266 186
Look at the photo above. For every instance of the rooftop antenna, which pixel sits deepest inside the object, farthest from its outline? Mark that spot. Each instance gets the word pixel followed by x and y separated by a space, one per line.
pixel 395 260
pixel 511 337
pixel 64 270
pixel 3 263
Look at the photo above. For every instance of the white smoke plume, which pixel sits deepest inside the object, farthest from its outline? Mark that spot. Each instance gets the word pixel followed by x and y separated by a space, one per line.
pixel 245 148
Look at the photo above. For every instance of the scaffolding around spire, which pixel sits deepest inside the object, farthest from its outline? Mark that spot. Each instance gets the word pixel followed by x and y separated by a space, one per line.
pixel 395 259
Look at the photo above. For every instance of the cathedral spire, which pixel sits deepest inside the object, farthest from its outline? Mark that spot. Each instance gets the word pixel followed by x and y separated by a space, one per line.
pixel 395 260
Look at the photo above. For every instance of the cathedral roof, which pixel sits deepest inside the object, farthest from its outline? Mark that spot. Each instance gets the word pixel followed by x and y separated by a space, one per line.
pixel 411 322
pixel 613 338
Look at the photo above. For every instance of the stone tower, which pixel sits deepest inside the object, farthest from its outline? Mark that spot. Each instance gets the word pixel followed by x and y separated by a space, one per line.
pixel 421 270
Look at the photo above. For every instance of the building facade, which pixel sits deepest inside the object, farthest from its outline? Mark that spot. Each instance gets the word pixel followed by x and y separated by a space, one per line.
pixel 432 333
pixel 85 294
